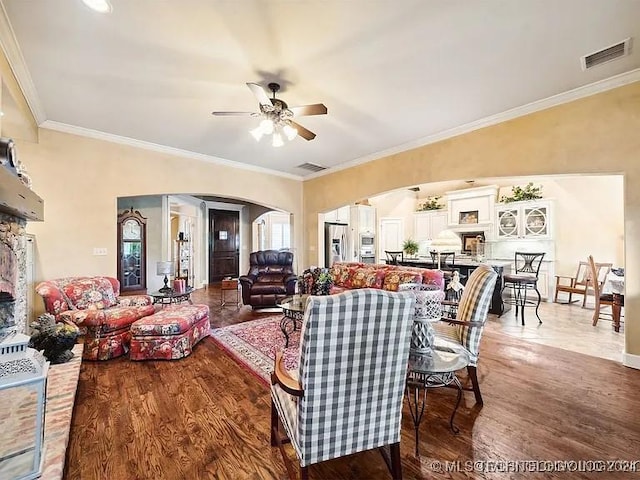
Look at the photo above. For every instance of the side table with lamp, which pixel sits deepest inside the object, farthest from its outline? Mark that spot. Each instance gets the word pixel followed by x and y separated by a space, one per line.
pixel 165 268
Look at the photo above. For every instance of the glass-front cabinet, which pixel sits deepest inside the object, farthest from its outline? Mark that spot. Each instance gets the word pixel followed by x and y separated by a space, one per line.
pixel 524 220
pixel 132 252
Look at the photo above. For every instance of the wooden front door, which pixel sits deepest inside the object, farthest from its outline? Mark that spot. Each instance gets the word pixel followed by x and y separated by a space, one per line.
pixel 224 244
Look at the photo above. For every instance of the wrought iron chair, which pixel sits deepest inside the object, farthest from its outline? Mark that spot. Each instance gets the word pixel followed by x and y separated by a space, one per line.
pixel 393 256
pixel 447 259
pixel 525 278
pixel 466 329
pixel 345 380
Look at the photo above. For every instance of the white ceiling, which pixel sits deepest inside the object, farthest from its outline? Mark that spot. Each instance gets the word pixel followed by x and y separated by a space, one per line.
pixel 391 72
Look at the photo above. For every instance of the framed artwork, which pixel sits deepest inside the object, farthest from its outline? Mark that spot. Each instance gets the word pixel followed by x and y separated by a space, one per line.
pixel 468 217
pixel 469 241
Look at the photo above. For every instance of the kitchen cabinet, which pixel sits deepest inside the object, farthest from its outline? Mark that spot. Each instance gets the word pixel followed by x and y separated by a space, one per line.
pixel 427 225
pixel 340 215
pixel 362 219
pixel 529 220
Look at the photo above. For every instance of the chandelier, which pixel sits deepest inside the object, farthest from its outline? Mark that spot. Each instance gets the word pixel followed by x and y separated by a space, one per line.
pixel 276 122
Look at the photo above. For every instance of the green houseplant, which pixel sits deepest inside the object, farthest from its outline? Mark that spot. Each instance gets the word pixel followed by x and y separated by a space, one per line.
pixel 410 247
pixel 432 203
pixel 529 192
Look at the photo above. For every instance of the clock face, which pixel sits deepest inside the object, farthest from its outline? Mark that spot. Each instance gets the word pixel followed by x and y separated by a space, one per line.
pixel 131 230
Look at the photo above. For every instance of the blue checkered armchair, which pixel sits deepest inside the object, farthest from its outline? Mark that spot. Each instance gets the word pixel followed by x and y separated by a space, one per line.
pixel 347 394
pixel 466 329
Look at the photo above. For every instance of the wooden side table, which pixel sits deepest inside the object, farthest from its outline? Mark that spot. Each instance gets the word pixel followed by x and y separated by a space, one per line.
pixel 226 286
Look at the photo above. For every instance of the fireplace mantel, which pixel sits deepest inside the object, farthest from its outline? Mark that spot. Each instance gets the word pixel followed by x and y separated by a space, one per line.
pixel 17 199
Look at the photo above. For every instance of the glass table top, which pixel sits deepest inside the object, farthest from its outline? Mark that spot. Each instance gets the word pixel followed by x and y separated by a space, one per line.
pixel 446 356
pixel 294 304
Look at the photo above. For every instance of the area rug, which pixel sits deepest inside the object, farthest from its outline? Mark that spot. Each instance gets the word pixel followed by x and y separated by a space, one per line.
pixel 253 345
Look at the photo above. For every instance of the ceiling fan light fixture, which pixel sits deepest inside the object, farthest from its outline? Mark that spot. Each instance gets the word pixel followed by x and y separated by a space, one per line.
pixel 290 132
pixel 100 6
pixel 267 126
pixel 257 133
pixel 277 140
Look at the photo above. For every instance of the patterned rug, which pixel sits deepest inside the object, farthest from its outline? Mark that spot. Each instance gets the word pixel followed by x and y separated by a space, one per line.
pixel 253 345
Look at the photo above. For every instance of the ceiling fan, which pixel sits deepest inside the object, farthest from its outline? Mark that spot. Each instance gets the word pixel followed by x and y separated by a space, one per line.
pixel 277 115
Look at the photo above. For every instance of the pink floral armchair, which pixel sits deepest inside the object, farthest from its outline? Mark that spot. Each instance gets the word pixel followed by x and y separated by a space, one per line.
pixel 95 305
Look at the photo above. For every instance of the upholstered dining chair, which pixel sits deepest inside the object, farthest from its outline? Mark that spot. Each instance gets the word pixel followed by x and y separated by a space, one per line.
pixel 466 329
pixel 347 394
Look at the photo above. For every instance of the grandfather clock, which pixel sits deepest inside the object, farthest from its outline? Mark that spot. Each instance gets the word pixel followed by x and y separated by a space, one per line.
pixel 132 252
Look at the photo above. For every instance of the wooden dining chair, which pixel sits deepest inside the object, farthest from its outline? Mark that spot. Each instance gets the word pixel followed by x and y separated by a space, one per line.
pixel 601 299
pixel 601 272
pixel 574 285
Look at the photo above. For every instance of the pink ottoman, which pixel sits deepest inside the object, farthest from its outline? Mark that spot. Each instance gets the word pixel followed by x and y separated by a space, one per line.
pixel 170 333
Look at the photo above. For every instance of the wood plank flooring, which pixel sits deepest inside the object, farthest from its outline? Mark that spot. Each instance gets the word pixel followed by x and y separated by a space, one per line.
pixel 204 417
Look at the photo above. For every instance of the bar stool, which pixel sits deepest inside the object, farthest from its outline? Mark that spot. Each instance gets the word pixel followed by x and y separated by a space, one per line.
pixel 525 279
pixel 394 257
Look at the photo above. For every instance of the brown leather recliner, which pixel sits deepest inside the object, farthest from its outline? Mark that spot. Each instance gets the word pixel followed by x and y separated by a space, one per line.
pixel 270 278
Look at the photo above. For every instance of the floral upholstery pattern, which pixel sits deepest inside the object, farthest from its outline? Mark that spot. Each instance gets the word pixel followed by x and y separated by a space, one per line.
pixel 94 304
pixel 169 334
pixel 353 275
pixel 393 278
pixel 360 277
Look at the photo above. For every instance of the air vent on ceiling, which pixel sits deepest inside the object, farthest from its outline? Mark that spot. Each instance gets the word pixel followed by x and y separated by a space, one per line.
pixel 605 55
pixel 312 167
pixel 415 189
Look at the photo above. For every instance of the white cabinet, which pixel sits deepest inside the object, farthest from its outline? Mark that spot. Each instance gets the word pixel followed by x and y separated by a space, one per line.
pixel 524 220
pixel 363 219
pixel 340 215
pixel 427 225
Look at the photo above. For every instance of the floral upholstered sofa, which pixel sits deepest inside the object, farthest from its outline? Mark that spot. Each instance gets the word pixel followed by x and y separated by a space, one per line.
pixel 350 275
pixel 95 305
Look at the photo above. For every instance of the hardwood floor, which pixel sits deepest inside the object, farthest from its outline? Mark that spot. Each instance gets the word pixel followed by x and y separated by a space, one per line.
pixel 205 417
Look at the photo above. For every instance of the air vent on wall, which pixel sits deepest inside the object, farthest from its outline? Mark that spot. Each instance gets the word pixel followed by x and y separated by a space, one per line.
pixel 605 55
pixel 312 167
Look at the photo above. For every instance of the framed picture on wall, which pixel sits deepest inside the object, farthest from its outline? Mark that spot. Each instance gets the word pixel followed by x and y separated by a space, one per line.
pixel 469 241
pixel 468 217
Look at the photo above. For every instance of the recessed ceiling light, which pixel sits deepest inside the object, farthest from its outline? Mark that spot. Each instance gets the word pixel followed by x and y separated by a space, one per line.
pixel 102 6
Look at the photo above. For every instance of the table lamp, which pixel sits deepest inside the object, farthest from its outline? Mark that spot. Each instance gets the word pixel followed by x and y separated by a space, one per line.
pixel 446 241
pixel 165 268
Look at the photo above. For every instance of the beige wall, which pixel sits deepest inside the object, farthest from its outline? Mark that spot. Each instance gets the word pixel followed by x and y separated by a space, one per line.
pixel 81 178
pixel 597 134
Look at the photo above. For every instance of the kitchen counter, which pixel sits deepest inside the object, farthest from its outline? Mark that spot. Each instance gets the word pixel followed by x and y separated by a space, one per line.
pixel 465 266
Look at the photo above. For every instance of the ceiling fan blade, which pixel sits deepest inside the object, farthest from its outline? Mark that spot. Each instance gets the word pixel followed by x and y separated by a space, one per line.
pixel 234 114
pixel 315 109
pixel 259 93
pixel 303 132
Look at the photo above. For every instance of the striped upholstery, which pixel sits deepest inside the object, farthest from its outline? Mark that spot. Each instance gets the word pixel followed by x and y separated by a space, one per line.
pixel 353 360
pixel 473 307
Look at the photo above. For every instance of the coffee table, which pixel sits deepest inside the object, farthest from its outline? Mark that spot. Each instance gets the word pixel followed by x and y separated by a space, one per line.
pixel 167 298
pixel 292 314
pixel 430 371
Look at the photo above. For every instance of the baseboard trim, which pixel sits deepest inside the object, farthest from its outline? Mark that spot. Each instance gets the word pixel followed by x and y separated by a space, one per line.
pixel 631 360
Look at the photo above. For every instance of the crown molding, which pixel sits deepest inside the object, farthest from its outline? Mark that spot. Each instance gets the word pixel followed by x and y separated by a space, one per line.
pixel 132 142
pixel 12 51
pixel 559 99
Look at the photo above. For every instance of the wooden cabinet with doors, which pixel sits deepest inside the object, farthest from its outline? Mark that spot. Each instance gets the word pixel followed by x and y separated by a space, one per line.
pixel 132 252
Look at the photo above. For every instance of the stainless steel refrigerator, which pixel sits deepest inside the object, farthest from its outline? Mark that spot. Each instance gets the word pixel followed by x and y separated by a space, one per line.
pixel 336 243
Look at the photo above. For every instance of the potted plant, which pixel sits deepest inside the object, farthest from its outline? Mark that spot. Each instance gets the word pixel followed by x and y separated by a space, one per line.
pixel 55 339
pixel 431 203
pixel 519 194
pixel 410 247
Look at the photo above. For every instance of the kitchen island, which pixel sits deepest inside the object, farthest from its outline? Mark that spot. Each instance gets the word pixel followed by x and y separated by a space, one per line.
pixel 465 266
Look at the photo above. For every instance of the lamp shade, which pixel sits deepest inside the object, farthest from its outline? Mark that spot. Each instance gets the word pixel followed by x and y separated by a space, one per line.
pixel 447 241
pixel 164 268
